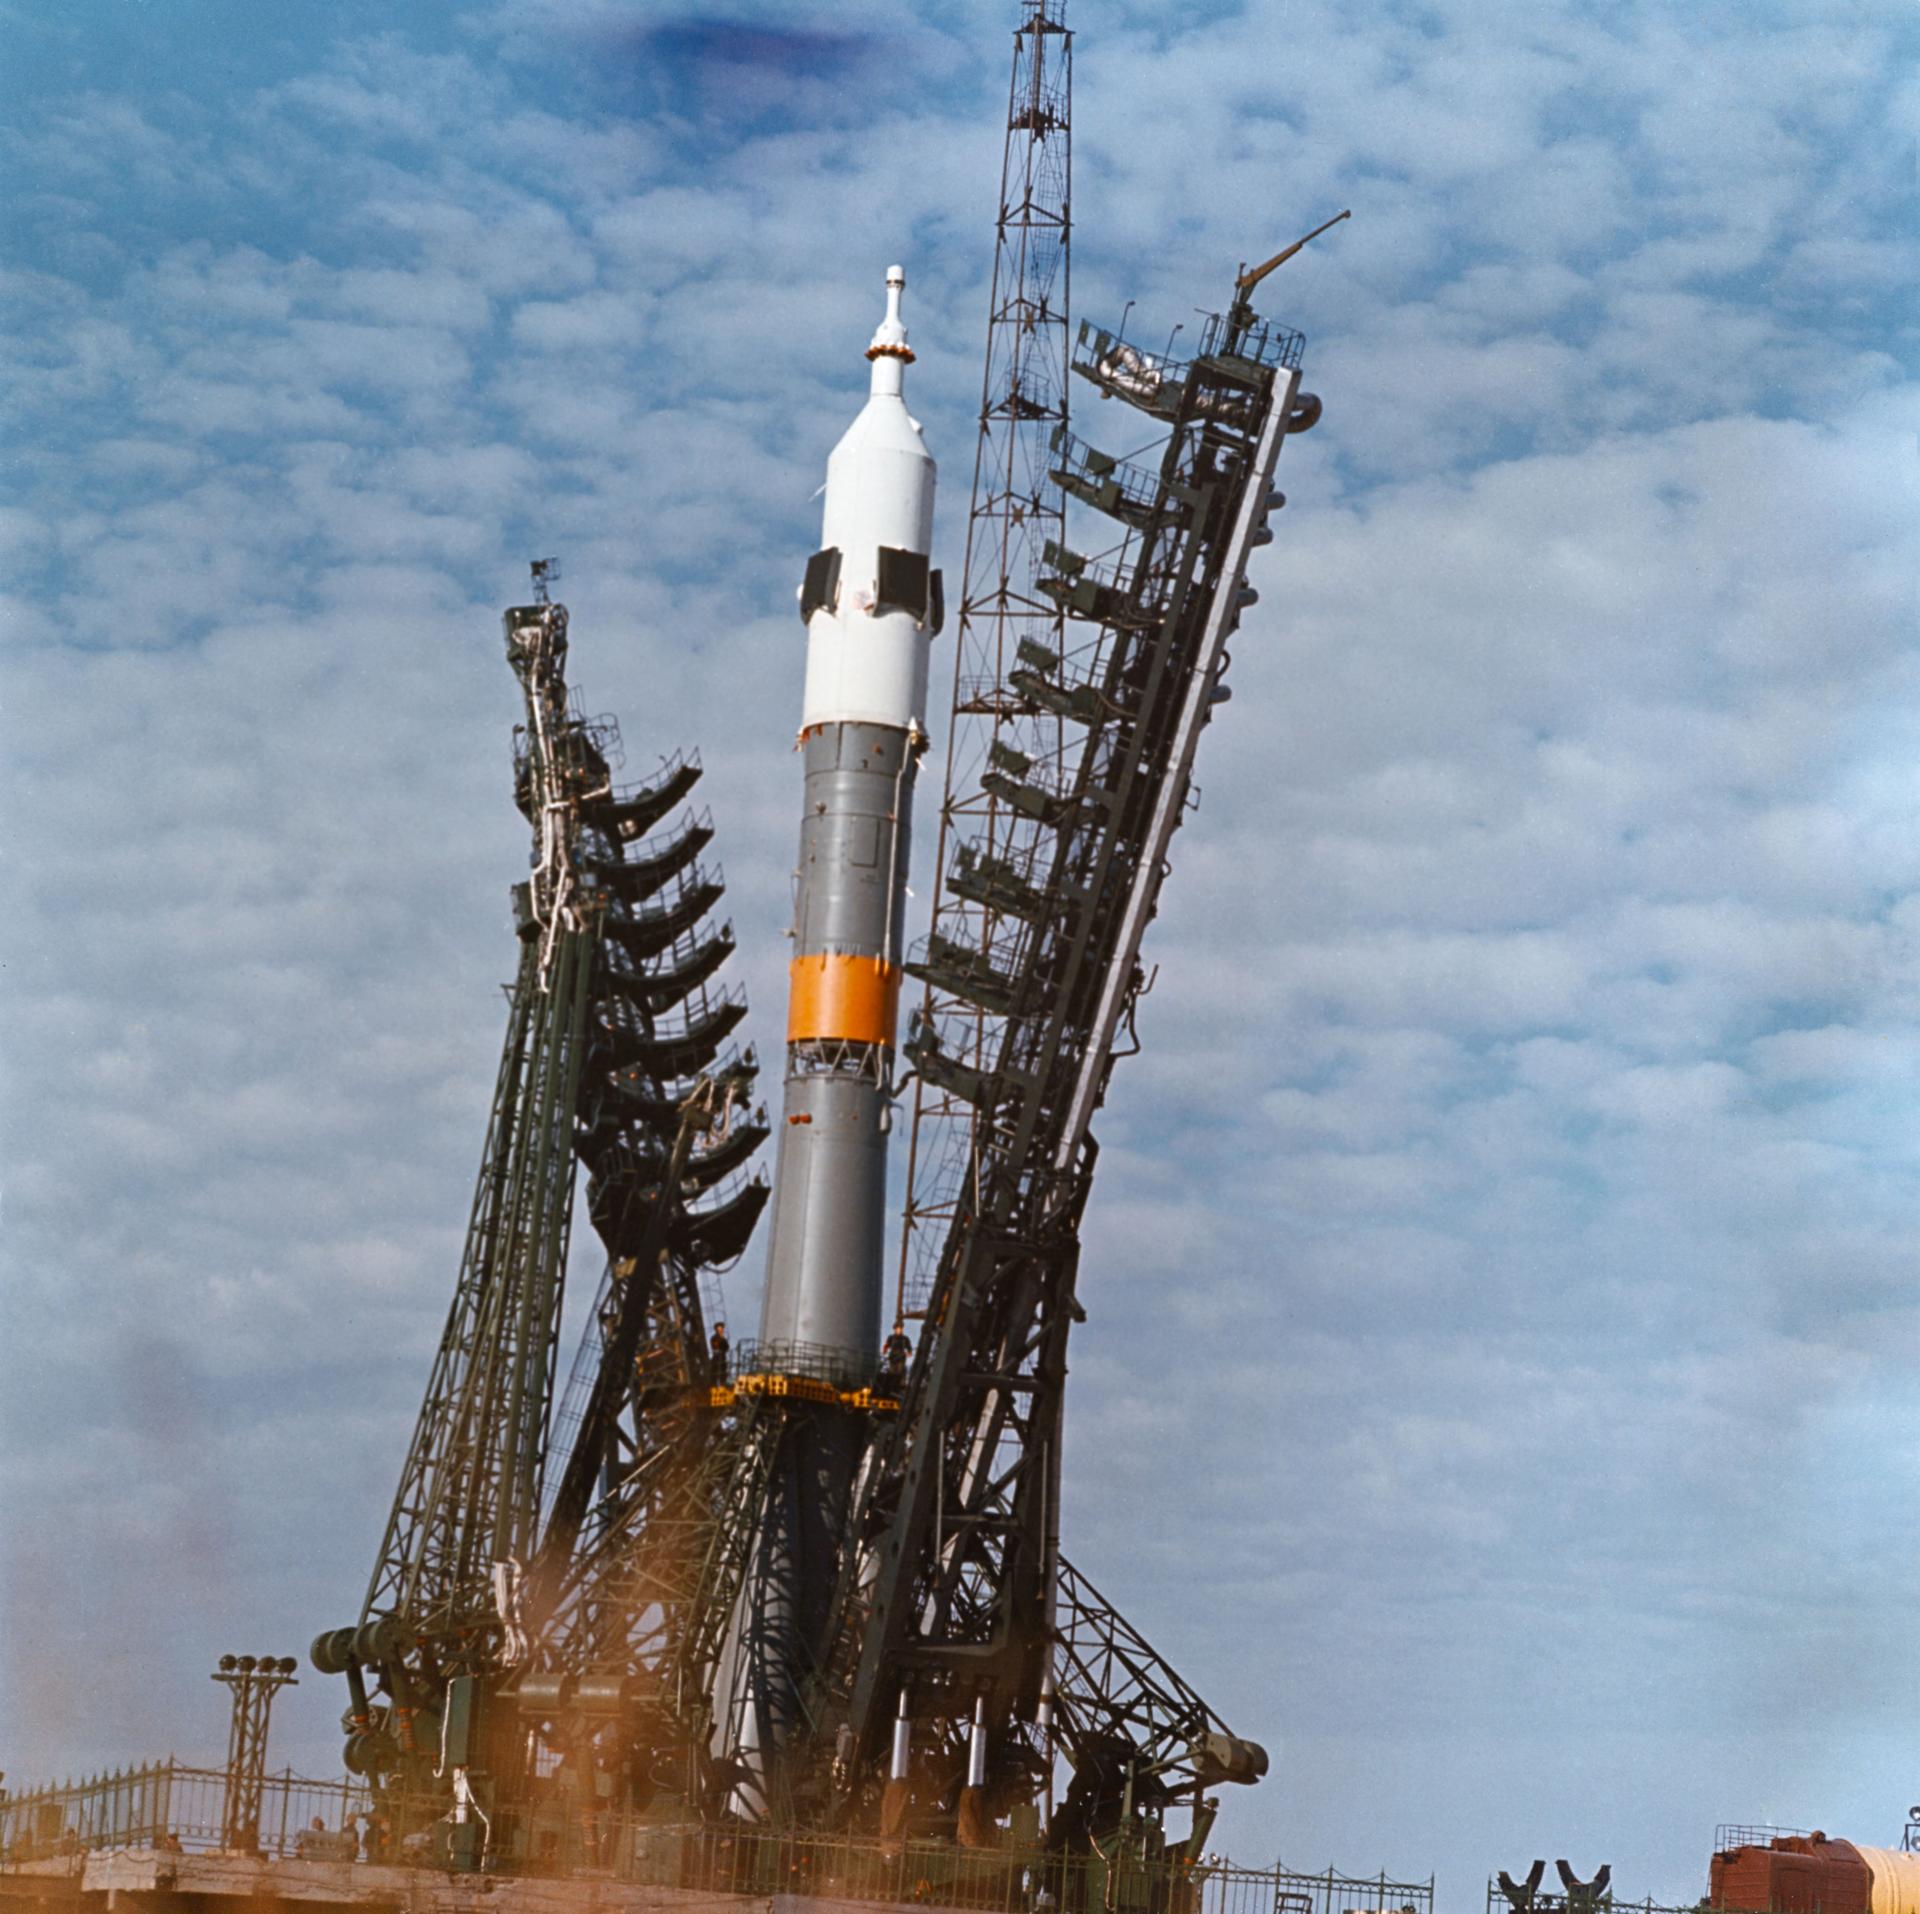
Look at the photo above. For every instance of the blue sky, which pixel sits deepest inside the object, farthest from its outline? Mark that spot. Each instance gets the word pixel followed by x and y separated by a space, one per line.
pixel 1499 1393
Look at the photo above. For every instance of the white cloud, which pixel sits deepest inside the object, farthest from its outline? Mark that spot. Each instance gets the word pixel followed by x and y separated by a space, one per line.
pixel 1498 1268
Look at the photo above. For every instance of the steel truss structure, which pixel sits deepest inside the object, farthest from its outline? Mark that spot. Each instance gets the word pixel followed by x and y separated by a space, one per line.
pixel 525 1554
pixel 1030 750
pixel 948 1589
pixel 1017 511
pixel 253 1681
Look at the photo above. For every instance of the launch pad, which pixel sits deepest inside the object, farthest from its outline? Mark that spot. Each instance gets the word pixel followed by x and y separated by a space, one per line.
pixel 704 1622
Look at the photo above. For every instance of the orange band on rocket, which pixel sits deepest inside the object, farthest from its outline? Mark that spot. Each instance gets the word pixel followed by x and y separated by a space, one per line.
pixel 842 999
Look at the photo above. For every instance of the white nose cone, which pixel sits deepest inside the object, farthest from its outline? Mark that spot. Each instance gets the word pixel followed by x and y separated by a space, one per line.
pixel 872 614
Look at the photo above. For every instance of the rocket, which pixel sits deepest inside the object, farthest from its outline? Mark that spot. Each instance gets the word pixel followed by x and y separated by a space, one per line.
pixel 871 605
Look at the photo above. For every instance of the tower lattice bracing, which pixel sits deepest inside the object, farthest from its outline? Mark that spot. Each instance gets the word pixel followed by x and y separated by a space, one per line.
pixel 520 1558
pixel 946 1624
pixel 469 1495
pixel 1017 509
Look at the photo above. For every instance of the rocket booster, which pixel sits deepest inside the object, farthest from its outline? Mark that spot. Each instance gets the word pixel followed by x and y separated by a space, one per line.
pixel 871 605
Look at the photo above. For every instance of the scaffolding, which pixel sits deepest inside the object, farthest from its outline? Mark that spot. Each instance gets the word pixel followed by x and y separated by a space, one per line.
pixel 1032 1000
pixel 1017 511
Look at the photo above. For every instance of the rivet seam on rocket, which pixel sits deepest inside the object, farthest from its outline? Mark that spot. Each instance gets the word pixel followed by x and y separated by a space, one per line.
pixel 833 997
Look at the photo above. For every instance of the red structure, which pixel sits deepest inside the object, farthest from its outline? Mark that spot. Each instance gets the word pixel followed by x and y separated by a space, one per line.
pixel 1809 1874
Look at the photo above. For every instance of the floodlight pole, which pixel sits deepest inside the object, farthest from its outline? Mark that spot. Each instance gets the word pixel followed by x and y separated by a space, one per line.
pixel 253 1681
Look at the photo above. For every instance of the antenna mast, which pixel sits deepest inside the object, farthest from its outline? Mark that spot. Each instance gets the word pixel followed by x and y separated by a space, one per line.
pixel 1017 510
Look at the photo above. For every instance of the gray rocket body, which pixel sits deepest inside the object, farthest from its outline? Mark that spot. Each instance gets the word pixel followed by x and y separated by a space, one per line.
pixel 825 1250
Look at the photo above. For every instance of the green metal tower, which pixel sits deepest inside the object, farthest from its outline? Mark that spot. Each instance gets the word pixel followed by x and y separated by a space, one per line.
pixel 498 1579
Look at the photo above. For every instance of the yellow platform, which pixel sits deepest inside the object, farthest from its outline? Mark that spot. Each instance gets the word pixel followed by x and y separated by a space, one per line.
pixel 723 1395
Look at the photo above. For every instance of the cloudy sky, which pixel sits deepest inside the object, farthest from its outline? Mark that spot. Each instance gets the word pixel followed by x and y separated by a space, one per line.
pixel 1502 1387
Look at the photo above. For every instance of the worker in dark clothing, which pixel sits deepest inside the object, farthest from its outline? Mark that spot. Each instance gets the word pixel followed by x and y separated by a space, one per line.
pixel 718 1349
pixel 893 1358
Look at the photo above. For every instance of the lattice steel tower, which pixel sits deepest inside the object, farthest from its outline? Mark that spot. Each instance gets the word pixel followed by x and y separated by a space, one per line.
pixel 1017 509
pixel 518 1590
pixel 253 1681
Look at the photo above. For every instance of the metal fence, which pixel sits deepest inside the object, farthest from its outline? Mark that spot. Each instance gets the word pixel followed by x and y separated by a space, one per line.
pixel 1608 1903
pixel 167 1803
pixel 764 1862
pixel 810 1361
pixel 1239 1892
pixel 1736 1834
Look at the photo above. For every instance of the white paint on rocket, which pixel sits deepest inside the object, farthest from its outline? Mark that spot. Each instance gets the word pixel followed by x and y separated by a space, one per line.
pixel 865 667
